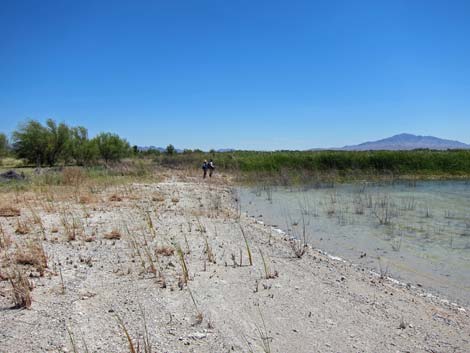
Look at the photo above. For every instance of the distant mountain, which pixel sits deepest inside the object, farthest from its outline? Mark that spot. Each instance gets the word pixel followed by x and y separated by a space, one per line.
pixel 148 148
pixel 161 149
pixel 408 142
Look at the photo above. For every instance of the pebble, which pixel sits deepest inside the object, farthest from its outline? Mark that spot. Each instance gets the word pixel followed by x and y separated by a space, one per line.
pixel 197 335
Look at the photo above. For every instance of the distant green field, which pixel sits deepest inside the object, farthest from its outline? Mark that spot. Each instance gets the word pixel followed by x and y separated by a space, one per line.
pixel 292 166
pixel 343 163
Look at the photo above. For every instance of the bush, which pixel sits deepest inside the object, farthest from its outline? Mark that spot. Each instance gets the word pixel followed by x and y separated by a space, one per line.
pixel 111 147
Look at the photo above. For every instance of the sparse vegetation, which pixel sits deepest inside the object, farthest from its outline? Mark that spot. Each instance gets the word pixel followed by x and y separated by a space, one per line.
pixel 21 289
pixel 114 234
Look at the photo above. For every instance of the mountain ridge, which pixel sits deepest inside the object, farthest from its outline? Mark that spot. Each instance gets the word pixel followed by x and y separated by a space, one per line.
pixel 406 141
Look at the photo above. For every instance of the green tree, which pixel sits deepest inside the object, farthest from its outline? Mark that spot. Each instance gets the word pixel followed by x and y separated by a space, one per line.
pixel 170 149
pixel 41 144
pixel 30 142
pixel 81 149
pixel 111 147
pixel 3 145
pixel 58 137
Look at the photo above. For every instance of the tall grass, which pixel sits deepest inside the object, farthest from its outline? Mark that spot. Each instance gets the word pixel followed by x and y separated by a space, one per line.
pixel 288 166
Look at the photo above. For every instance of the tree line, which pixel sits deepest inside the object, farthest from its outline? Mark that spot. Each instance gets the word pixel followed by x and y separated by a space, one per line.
pixel 51 143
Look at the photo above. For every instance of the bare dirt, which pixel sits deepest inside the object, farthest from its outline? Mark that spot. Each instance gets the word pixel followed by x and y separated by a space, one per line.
pixel 116 254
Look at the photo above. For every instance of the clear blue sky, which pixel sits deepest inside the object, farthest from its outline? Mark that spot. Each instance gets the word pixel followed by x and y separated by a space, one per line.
pixel 242 74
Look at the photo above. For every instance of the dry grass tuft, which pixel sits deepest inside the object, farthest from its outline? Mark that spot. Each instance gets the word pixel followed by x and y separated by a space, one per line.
pixel 114 234
pixel 199 319
pixel 158 198
pixel 85 199
pixel 115 198
pixel 5 239
pixel 33 255
pixel 165 251
pixel 21 228
pixel 9 212
pixel 21 288
pixel 298 248
pixel 73 176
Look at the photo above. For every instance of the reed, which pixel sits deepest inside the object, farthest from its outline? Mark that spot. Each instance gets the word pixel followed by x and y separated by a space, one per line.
pixel 247 245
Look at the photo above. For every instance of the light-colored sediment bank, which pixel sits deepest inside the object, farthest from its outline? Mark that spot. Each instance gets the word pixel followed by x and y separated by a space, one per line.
pixel 309 304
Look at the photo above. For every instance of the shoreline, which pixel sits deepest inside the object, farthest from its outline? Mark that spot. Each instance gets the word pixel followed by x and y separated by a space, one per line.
pixel 351 236
pixel 416 289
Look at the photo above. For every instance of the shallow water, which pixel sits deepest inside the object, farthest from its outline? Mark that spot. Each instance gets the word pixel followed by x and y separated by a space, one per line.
pixel 417 233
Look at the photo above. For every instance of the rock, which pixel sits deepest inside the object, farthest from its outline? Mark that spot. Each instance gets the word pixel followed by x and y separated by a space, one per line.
pixel 12 175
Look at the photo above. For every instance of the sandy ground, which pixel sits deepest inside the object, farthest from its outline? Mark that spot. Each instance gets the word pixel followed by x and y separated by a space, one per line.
pixel 309 304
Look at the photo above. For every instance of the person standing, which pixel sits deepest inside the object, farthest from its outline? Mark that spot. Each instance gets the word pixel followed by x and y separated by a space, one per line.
pixel 205 166
pixel 211 168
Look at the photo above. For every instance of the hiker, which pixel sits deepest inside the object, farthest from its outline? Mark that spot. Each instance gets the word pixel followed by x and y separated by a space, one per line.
pixel 205 165
pixel 211 168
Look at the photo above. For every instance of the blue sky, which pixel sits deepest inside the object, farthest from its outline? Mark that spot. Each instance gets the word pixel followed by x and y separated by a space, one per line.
pixel 241 74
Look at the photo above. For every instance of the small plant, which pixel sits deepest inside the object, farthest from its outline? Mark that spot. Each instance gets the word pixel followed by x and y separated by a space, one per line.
pixel 165 251
pixel 201 228
pixel 5 240
pixel 32 255
pixel 84 199
pixel 250 259
pixel 269 193
pixel 358 205
pixel 267 272
pixel 184 267
pixel 234 260
pixel 73 343
pixel 62 284
pixel 383 210
pixel 427 213
pixel 264 335
pixel 383 271
pixel 199 314
pixel 146 346
pixel 299 247
pixel 158 197
pixel 21 227
pixel 115 198
pixel 208 251
pixel 9 212
pixel 148 220
pixel 114 234
pixel 152 262
pixel 21 288
pixel 408 204
pixel 396 244
pixel 72 228
pixel 132 348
